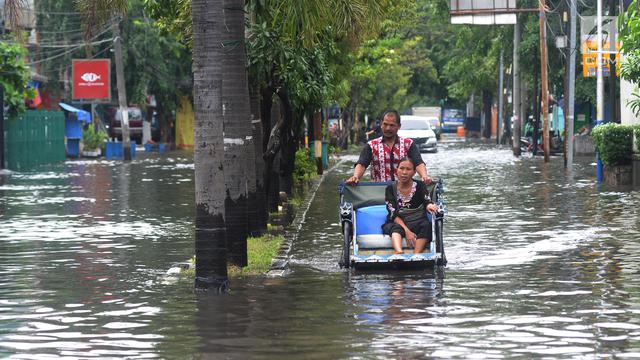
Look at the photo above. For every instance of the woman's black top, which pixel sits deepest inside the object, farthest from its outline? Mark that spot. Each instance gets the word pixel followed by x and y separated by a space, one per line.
pixel 419 196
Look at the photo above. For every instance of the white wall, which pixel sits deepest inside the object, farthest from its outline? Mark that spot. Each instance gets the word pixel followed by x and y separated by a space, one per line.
pixel 626 89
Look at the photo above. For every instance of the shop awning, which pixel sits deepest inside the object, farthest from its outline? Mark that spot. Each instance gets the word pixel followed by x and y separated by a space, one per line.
pixel 81 114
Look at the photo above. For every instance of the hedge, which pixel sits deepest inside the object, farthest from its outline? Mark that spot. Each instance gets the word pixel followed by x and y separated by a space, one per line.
pixel 614 143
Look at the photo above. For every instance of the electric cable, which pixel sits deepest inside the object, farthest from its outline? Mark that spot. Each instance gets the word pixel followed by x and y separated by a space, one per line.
pixel 72 49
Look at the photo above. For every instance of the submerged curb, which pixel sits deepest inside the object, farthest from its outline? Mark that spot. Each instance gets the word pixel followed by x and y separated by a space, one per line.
pixel 280 263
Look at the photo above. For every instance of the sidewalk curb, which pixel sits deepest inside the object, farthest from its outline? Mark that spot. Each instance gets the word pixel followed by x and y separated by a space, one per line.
pixel 280 263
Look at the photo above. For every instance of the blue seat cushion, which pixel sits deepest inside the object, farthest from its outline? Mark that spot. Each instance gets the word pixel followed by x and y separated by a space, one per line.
pixel 369 219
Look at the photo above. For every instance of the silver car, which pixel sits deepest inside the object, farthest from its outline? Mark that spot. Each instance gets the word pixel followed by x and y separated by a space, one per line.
pixel 419 130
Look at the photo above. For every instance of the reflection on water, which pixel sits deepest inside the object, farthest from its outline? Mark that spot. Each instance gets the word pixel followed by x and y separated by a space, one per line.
pixel 542 263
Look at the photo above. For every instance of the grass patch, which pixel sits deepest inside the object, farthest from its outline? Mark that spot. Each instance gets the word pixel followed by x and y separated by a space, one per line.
pixel 260 252
pixel 297 202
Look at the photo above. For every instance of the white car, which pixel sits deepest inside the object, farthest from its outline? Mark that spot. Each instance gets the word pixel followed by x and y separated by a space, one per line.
pixel 419 130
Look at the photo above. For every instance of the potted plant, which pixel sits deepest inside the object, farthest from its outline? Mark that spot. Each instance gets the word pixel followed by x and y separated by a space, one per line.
pixel 93 141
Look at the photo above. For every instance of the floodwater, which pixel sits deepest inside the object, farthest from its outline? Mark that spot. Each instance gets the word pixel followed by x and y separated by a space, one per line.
pixel 542 263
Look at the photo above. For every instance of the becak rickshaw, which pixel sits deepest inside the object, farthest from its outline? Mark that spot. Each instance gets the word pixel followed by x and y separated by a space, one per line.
pixel 363 212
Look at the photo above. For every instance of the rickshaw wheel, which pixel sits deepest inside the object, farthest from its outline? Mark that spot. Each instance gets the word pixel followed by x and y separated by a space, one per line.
pixel 442 261
pixel 345 261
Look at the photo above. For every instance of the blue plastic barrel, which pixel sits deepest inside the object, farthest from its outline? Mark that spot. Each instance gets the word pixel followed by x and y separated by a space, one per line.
pixel 115 150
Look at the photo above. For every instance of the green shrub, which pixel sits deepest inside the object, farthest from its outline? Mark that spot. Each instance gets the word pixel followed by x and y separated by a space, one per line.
pixel 614 143
pixel 92 139
pixel 305 168
pixel 636 134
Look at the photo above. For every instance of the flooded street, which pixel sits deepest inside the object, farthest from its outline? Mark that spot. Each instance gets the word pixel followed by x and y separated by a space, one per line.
pixel 542 263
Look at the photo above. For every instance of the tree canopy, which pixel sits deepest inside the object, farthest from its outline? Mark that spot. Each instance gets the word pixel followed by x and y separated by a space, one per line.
pixel 630 37
pixel 14 75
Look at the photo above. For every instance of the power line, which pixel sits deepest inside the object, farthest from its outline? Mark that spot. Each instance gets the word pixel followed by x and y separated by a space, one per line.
pixel 33 10
pixel 72 49
pixel 67 66
pixel 67 52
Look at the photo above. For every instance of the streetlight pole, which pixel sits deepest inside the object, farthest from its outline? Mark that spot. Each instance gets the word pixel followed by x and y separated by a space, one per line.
pixel 1 127
pixel 517 119
pixel 500 97
pixel 599 84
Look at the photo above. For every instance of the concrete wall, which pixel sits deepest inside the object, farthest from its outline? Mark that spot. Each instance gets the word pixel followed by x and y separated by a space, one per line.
pixel 583 145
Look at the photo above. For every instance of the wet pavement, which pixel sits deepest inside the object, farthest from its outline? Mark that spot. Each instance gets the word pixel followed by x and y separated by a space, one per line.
pixel 542 263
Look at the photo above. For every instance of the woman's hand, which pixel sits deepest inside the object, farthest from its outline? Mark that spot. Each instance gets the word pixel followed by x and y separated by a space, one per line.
pixel 411 238
pixel 432 208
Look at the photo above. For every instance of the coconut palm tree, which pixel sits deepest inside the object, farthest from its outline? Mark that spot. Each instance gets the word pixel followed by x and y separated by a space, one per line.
pixel 209 110
pixel 239 169
pixel 237 127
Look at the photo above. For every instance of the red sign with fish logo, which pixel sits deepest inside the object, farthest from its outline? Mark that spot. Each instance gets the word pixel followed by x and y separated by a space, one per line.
pixel 91 79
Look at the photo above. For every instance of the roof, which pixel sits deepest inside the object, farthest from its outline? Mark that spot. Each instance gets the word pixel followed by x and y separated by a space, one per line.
pixel 81 114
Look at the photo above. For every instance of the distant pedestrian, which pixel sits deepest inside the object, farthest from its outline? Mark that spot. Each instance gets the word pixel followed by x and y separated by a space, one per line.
pixel 375 131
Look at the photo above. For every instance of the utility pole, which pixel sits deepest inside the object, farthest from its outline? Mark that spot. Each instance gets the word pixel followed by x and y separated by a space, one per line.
pixel 536 108
pixel 122 92
pixel 517 100
pixel 570 99
pixel 599 85
pixel 500 96
pixel 543 79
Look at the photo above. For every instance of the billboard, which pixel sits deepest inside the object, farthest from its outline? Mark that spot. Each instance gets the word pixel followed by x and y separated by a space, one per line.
pixel 483 12
pixel 91 79
pixel 589 44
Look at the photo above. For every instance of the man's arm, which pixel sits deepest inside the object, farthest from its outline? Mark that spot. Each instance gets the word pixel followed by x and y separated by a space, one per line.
pixel 357 174
pixel 421 167
pixel 422 171
pixel 365 159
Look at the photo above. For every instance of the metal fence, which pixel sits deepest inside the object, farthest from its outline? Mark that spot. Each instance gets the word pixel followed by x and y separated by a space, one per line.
pixel 34 138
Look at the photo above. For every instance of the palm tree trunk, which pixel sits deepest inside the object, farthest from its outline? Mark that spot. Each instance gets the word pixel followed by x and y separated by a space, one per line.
pixel 211 249
pixel 287 145
pixel 272 156
pixel 237 129
pixel 486 109
pixel 258 225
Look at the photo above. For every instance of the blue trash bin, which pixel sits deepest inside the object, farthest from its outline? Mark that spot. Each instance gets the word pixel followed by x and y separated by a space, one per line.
pixel 73 148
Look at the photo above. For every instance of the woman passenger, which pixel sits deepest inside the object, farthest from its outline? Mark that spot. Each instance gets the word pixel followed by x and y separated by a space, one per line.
pixel 407 202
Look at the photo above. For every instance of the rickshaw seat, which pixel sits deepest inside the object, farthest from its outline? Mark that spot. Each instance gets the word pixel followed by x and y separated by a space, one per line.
pixel 369 222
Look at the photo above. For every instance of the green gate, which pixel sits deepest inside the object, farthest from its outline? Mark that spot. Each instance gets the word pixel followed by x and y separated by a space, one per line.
pixel 34 138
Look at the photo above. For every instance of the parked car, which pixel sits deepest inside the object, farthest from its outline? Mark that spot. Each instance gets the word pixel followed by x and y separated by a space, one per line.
pixel 114 116
pixel 419 130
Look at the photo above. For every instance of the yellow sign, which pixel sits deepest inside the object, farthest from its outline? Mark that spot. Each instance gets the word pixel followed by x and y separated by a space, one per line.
pixel 590 59
pixel 589 45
